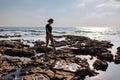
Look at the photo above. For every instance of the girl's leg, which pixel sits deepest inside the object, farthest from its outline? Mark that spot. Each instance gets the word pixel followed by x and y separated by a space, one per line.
pixel 52 43
pixel 47 42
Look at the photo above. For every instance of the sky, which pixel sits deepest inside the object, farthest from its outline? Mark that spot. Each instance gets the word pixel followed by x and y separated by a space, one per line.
pixel 66 13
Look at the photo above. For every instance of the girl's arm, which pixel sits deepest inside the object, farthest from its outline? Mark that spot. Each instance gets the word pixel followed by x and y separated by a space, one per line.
pixel 48 31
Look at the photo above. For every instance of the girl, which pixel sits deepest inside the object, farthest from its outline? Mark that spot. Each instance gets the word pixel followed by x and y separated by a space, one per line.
pixel 49 35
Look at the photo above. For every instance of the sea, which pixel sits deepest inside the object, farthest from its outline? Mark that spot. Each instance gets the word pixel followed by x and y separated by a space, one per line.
pixel 32 34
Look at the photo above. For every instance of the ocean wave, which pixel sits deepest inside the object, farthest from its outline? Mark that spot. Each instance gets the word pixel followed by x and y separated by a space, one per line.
pixel 60 32
pixel 31 31
pixel 7 36
pixel 2 30
pixel 80 31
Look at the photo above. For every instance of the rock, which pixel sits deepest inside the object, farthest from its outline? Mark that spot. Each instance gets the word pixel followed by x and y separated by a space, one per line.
pixel 2 49
pixel 106 44
pixel 41 49
pixel 117 59
pixel 11 44
pixel 62 65
pixel 65 52
pixel 63 75
pixel 118 53
pixel 84 71
pixel 33 70
pixel 8 65
pixel 7 44
pixel 61 43
pixel 19 52
pixel 36 76
pixel 3 36
pixel 100 65
pixel 58 36
pixel 76 38
pixel 118 49
pixel 17 40
pixel 17 36
pixel 106 56
pixel 85 45
pixel 39 43
pixel 0 54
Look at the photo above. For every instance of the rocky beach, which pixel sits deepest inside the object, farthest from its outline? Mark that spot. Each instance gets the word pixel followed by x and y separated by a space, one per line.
pixel 21 61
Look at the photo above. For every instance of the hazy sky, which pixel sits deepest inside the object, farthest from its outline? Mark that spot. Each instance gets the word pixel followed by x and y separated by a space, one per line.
pixel 64 12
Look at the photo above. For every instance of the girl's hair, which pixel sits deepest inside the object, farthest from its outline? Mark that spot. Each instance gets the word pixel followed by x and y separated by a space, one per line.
pixel 50 20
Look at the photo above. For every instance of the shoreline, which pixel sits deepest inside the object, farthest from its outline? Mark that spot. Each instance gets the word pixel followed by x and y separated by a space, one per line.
pixel 62 65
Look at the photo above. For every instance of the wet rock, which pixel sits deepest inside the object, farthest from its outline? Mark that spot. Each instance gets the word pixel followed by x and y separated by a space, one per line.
pixel 106 44
pixel 39 43
pixel 117 59
pixel 85 45
pixel 7 43
pixel 118 53
pixel 35 70
pixel 100 65
pixel 78 51
pixel 41 49
pixel 118 49
pixel 17 40
pixel 63 75
pixel 58 66
pixel 17 36
pixel 76 38
pixel 84 71
pixel 0 54
pixel 11 44
pixel 61 43
pixel 2 49
pixel 106 56
pixel 3 36
pixel 65 52
pixel 8 65
pixel 58 36
pixel 19 52
pixel 62 65
pixel 36 76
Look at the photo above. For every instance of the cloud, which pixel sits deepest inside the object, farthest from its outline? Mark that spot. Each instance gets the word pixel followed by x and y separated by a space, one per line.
pixel 81 5
pixel 110 3
pixel 102 15
pixel 117 0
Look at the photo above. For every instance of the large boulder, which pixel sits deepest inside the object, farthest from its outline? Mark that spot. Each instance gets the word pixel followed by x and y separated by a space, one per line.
pixel 12 44
pixel 106 56
pixel 100 65
pixel 39 43
pixel 118 49
pixel 61 43
pixel 19 52
pixel 117 56
pixel 41 49
pixel 85 71
pixel 117 59
pixel 85 45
